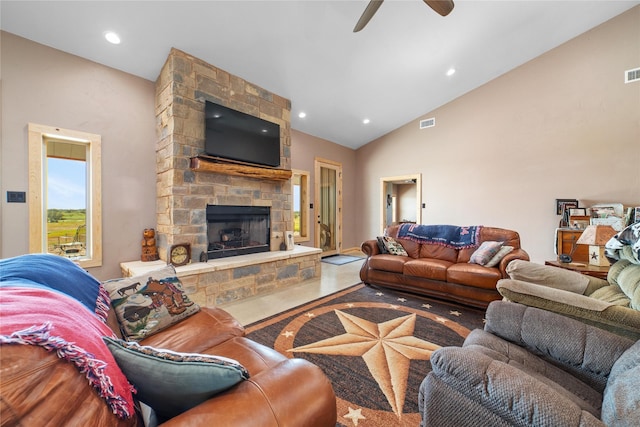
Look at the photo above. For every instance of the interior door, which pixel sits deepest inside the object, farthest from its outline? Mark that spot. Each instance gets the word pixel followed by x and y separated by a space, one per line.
pixel 328 202
pixel 401 200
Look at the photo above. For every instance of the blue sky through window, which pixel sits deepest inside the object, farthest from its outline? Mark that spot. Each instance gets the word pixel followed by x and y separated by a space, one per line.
pixel 66 184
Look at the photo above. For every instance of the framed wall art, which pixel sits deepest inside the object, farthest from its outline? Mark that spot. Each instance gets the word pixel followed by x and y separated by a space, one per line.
pixel 563 205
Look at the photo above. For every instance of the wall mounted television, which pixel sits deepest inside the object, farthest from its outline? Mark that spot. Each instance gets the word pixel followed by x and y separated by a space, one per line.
pixel 234 135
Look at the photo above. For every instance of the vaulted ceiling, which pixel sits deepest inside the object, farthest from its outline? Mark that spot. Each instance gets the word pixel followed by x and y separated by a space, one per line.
pixel 390 73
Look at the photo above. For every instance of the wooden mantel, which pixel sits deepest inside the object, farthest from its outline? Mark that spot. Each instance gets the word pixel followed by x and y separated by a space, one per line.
pixel 214 165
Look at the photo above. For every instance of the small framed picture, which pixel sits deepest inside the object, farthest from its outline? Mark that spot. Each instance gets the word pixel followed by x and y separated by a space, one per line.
pixel 578 212
pixel 562 205
pixel 637 215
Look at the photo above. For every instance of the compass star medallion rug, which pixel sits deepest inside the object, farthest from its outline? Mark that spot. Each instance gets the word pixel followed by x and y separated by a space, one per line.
pixel 374 344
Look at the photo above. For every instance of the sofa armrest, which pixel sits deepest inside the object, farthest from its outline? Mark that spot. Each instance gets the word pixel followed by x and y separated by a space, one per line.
pixel 516 397
pixel 583 349
pixel 554 277
pixel 370 247
pixel 293 393
pixel 515 254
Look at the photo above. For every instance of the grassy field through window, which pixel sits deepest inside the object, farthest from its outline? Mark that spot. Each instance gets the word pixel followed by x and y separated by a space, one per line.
pixel 66 232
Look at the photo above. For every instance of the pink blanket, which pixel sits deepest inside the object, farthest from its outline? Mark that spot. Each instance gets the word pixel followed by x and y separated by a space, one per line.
pixel 56 322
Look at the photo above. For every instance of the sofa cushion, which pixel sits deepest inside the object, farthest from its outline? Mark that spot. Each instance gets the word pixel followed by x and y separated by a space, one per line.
pixel 148 303
pixel 435 269
pixel 388 262
pixel 514 395
pixel 627 276
pixel 559 379
pixel 611 294
pixel 428 250
pixel 485 252
pixel 172 382
pixel 473 275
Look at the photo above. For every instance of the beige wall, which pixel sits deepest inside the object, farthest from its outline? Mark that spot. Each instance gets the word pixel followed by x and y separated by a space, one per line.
pixel 304 149
pixel 561 126
pixel 564 125
pixel 46 86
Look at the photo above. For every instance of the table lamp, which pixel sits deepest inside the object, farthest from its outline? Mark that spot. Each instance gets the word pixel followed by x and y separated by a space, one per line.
pixel 596 236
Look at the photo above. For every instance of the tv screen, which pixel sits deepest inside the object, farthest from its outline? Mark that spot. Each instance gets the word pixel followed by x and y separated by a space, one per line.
pixel 233 135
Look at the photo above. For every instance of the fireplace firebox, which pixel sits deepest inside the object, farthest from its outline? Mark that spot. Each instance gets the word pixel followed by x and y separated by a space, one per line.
pixel 237 230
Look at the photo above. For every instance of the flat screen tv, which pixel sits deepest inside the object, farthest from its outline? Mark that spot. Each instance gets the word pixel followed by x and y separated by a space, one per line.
pixel 233 135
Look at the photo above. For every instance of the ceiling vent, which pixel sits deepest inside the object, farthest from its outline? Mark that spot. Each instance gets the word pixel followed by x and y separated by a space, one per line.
pixel 631 76
pixel 427 123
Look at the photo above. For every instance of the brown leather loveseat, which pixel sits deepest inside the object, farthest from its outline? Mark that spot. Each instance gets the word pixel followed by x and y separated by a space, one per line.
pixel 437 269
pixel 41 388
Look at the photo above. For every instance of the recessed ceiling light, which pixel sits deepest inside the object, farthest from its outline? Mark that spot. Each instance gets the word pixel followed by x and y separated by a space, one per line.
pixel 451 71
pixel 112 37
pixel 366 121
pixel 302 114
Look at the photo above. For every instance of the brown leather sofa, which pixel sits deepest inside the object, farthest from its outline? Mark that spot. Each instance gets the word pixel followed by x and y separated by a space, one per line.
pixel 439 271
pixel 37 388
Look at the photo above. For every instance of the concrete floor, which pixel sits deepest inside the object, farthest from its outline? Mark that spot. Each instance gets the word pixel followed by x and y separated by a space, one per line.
pixel 333 278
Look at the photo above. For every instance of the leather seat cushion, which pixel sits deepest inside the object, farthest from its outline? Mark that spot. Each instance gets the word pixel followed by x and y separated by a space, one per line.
pixel 473 275
pixel 435 269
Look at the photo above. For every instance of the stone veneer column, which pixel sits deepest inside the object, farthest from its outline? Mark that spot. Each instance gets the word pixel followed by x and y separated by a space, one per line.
pixel 184 84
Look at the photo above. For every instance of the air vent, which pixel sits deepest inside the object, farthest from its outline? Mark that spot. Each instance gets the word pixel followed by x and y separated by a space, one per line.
pixel 631 76
pixel 427 123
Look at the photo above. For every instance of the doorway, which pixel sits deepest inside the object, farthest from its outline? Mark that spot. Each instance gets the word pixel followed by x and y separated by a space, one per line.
pixel 401 200
pixel 328 202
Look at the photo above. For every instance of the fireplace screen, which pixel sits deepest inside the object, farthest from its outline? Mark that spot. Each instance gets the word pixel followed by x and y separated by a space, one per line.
pixel 237 230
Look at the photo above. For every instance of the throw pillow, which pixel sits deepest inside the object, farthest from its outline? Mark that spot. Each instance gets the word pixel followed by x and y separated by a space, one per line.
pixel 502 252
pixel 147 304
pixel 393 247
pixel 485 252
pixel 172 382
pixel 381 246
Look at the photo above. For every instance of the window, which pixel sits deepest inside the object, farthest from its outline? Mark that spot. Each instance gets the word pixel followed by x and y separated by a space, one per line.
pixel 300 191
pixel 65 215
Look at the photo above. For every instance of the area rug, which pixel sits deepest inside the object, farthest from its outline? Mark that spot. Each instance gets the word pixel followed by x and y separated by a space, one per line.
pixel 374 344
pixel 341 259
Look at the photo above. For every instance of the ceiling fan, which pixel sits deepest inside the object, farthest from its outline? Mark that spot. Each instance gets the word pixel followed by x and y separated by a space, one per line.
pixel 443 7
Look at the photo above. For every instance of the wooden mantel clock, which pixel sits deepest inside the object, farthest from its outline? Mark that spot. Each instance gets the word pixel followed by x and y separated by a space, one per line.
pixel 179 254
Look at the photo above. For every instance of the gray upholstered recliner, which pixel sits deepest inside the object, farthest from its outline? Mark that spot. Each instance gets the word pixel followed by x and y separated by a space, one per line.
pixel 531 367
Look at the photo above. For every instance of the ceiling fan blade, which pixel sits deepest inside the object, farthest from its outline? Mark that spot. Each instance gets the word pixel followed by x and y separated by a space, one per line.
pixel 368 13
pixel 443 7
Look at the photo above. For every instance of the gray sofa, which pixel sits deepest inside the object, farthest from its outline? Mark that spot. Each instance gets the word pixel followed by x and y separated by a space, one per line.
pixel 531 367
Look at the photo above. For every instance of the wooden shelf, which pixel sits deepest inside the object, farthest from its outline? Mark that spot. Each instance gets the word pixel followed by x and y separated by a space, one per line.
pixel 203 164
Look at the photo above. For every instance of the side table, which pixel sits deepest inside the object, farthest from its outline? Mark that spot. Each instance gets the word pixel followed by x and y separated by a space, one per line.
pixel 584 268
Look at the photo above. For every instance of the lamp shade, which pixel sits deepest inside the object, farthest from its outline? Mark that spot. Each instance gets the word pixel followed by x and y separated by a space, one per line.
pixel 596 235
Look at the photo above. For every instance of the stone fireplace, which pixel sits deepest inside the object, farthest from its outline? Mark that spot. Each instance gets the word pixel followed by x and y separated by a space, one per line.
pixel 186 184
pixel 183 193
